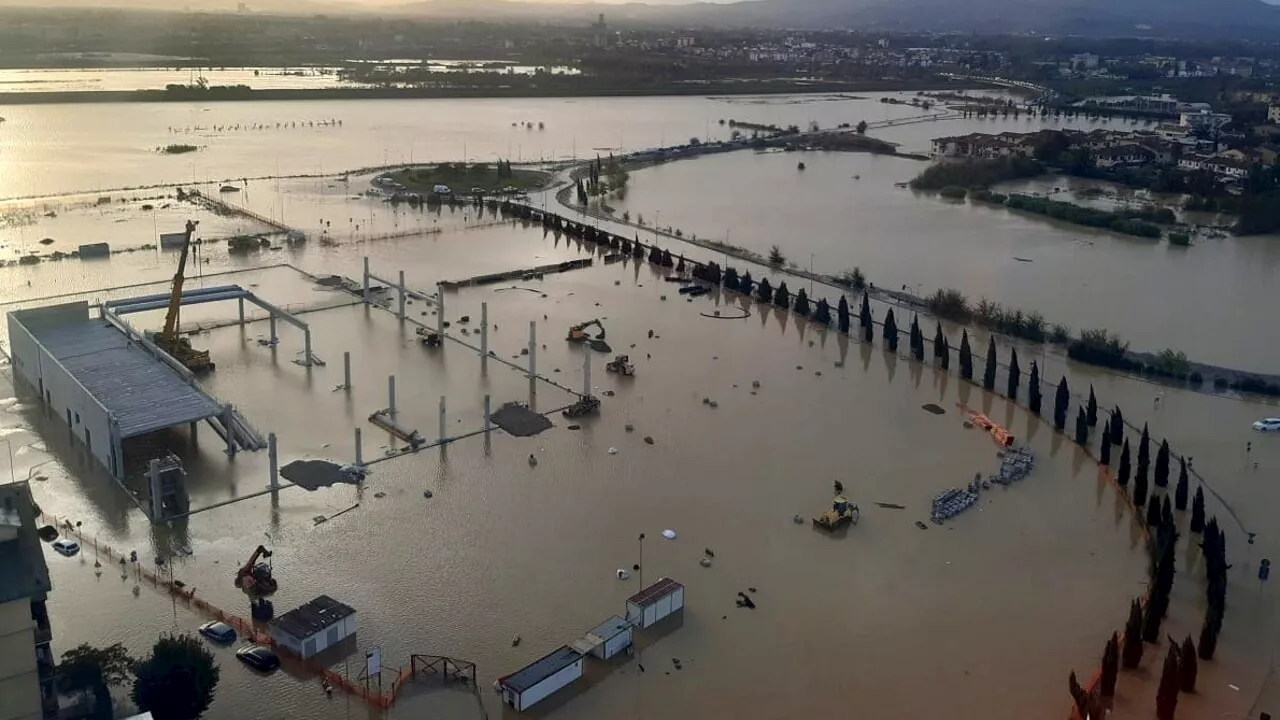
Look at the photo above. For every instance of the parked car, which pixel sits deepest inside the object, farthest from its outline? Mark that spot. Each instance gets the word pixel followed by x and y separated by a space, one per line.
pixel 218 632
pixel 1267 425
pixel 66 547
pixel 258 658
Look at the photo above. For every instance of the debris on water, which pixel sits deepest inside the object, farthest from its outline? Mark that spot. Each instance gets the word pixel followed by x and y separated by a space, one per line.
pixel 891 506
pixel 706 401
pixel 921 525
pixel 650 333
pixel 705 562
pixel 524 351
pixel 613 451
pixel 427 494
pixel 648 440
pixel 755 384
pixel 931 407
pixel 515 641
pixel 669 534
pixel 967 425
pixel 533 461
pixel 575 427
pixel 839 363
pixel 622 574
pixel 753 392
pixel 797 519
pixel 708 553
pixel 379 495
pixel 745 601
pixel 609 393
pixel 818 373
pixel 630 427
pixel 751 589
pixel 714 404
pixel 799 367
pixel 810 343
pixel 839 487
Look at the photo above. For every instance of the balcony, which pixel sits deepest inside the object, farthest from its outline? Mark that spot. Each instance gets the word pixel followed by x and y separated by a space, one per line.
pixel 43 635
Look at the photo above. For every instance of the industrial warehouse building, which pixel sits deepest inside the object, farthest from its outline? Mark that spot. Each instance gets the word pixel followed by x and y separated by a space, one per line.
pixel 102 382
pixel 314 627
pixel 532 684
pixel 655 602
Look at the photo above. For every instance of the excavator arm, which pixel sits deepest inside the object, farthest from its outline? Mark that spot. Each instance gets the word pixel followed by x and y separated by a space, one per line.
pixel 259 553
pixel 175 296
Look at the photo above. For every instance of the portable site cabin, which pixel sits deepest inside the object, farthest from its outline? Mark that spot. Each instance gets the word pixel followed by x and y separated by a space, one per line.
pixel 607 639
pixel 655 602
pixel 535 682
pixel 315 626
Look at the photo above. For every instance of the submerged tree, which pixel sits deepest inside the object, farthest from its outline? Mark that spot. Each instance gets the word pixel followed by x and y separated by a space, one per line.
pixel 1122 475
pixel 1117 426
pixel 1015 375
pixel 1197 511
pixel 764 291
pixel 989 373
pixel 822 314
pixel 890 331
pixel 802 303
pixel 1167 693
pixel 1144 447
pixel 1033 388
pixel 782 296
pixel 966 356
pixel 1104 450
pixel 1180 492
pixel 1188 668
pixel 1091 409
pixel 1131 653
pixel 1162 465
pixel 917 339
pixel 177 681
pixel 864 313
pixel 842 315
pixel 1060 402
pixel 730 278
pixel 1139 488
pixel 1082 428
pixel 1153 511
pixel 1110 667
pixel 938 341
pixel 1209 633
pixel 945 355
pixel 1166 514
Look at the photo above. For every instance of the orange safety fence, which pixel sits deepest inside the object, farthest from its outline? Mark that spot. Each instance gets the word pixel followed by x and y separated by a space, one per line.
pixel 247 629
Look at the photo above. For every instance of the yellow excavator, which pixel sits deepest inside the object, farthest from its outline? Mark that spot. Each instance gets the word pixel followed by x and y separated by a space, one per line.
pixel 578 333
pixel 169 339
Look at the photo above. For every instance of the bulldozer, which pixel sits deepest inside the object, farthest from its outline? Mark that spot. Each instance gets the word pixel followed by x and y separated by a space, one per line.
pixel 169 339
pixel 621 364
pixel 842 513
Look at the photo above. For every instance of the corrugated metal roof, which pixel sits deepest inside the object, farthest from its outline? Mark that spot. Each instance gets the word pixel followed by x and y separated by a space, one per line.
pixel 309 619
pixel 144 393
pixel 23 572
pixel 542 669
pixel 610 628
pixel 654 592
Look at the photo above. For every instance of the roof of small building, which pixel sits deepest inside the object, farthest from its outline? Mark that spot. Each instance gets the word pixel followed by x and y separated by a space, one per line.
pixel 610 628
pixel 23 572
pixel 541 669
pixel 655 592
pixel 311 618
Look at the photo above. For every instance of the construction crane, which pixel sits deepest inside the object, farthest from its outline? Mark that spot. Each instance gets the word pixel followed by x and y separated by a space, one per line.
pixel 168 339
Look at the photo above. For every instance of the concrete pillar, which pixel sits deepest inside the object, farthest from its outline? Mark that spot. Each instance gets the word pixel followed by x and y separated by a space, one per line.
pixel 486 414
pixel 346 371
pixel 273 329
pixel 533 349
pixel 229 427
pixel 359 450
pixel 484 336
pixel 194 437
pixel 440 312
pixel 273 460
pixel 391 395
pixel 366 279
pixel 586 372
pixel 442 421
pixel 402 294
pixel 241 301
pixel 153 481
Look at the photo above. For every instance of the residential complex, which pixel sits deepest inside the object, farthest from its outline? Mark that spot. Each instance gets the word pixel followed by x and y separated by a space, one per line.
pixel 26 661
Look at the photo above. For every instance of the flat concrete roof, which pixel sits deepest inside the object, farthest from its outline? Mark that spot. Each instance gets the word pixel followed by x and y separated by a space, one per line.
pixel 143 392
pixel 23 572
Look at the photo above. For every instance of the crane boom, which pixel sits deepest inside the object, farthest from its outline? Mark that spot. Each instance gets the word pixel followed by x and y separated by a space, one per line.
pixel 175 297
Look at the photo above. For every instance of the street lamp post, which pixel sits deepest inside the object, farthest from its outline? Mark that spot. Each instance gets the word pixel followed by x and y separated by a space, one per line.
pixel 12 478
pixel 640 565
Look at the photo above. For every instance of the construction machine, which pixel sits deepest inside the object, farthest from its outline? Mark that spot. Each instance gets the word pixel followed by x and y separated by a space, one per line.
pixel 168 339
pixel 578 333
pixel 621 364
pixel 842 513
pixel 254 577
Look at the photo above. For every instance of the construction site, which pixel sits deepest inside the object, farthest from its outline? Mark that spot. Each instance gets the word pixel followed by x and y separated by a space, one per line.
pixel 484 444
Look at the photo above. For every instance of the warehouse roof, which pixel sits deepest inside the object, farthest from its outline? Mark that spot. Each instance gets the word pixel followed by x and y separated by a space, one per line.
pixel 309 619
pixel 540 670
pixel 654 592
pixel 143 392
pixel 23 572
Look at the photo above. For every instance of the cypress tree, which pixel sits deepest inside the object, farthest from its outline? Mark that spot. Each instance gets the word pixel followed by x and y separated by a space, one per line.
pixel 1033 388
pixel 917 339
pixel 1078 695
pixel 868 331
pixel 1197 511
pixel 744 282
pixel 1117 426
pixel 1180 492
pixel 1140 489
pixel 1166 513
pixel 1060 402
pixel 730 278
pixel 1122 477
pixel 680 265
pixel 1082 428
pixel 1015 375
pixel 822 313
pixel 764 291
pixel 781 296
pixel 801 306
pixel 1209 633
pixel 864 314
pixel 1105 447
pixel 890 331
pixel 989 373
pixel 966 357
pixel 1187 666
pixel 1162 465
pixel 1091 410
pixel 1131 653
pixel 1153 511
pixel 946 354
pixel 842 315
pixel 939 340
pixel 1110 667
pixel 1144 448
pixel 1167 693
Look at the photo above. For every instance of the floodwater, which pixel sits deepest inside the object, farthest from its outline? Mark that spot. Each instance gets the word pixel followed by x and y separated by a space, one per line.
pixel 990 611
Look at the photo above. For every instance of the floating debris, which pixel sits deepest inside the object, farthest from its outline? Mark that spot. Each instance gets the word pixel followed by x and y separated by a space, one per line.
pixel 705 562
pixel 613 451
pixel 427 494
pixel 891 506
pixel 931 407
pixel 630 427
pixel 648 440
pixel 669 534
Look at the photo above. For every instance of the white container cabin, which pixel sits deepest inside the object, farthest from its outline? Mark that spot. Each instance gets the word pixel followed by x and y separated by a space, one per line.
pixel 606 639
pixel 312 628
pixel 655 602
pixel 537 681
